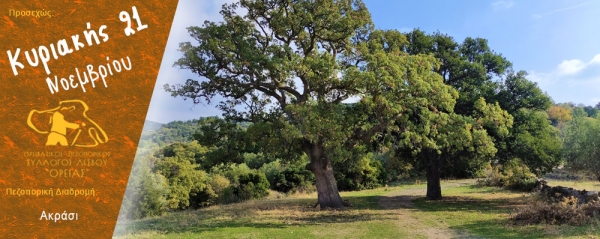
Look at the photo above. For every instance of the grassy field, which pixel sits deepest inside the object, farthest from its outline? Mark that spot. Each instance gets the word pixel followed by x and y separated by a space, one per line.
pixel 399 211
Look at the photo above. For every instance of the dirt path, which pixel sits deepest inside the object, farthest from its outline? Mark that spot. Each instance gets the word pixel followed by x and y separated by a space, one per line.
pixel 400 203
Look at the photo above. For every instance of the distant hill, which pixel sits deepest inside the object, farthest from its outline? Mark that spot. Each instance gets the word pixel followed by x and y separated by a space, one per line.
pixel 151 126
pixel 164 134
pixel 159 134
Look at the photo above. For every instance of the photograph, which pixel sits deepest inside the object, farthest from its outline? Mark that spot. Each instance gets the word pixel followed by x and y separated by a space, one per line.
pixel 371 119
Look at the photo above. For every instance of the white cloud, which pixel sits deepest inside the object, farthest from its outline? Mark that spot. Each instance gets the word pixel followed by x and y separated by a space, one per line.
pixel 596 59
pixel 570 67
pixel 502 5
pixel 571 81
pixel 542 15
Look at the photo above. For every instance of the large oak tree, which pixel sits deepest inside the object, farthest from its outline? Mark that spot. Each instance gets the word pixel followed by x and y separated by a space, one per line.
pixel 476 71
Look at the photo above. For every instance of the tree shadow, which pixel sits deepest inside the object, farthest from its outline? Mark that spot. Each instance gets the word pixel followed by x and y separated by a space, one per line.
pixel 465 203
pixel 476 189
pixel 397 202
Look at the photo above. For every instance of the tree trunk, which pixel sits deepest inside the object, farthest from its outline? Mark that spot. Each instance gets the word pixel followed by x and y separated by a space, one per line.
pixel 320 165
pixel 434 189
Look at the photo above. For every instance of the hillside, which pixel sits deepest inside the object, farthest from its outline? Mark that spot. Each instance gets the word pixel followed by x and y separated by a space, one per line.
pixel 151 126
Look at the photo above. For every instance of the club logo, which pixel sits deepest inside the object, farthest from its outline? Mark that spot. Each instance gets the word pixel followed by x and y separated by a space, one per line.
pixel 64 125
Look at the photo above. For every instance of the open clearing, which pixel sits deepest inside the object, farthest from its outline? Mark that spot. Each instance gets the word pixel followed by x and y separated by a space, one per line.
pixel 400 211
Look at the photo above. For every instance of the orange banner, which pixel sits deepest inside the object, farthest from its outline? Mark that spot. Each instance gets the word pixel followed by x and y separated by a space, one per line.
pixel 77 78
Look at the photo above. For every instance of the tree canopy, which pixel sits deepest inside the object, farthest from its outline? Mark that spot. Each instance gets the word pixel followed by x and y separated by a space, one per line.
pixel 582 145
pixel 477 72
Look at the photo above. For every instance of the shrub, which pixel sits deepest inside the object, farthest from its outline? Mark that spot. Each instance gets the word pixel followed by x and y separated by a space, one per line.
pixel 146 195
pixel 153 201
pixel 293 180
pixel 271 169
pixel 253 185
pixel 513 175
pixel 365 173
pixel 184 179
pixel 147 191
pixel 218 190
pixel 232 171
pixel 398 168
pixel 256 161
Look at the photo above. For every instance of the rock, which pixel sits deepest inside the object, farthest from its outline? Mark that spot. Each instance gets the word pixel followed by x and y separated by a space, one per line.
pixel 591 196
pixel 542 181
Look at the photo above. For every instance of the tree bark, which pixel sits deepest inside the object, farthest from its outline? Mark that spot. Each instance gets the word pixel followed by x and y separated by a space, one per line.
pixel 320 165
pixel 434 189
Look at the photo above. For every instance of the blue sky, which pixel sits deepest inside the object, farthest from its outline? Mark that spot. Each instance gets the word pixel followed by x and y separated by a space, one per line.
pixel 557 42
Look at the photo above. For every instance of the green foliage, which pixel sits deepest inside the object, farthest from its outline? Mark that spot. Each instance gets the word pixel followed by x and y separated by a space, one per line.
pixel 228 141
pixel 292 180
pixel 184 179
pixel 513 175
pixel 253 185
pixel 218 190
pixel 467 67
pixel 146 193
pixel 579 112
pixel 532 139
pixel 582 145
pixel 443 138
pixel 245 183
pixel 270 169
pixel 535 141
pixel 397 168
pixel 457 141
pixel 153 199
pixel 516 93
pixel 287 66
pixel 365 173
pixel 256 161
pixel 172 132
pixel 191 151
pixel 466 168
pixel 592 112
pixel 151 126
pixel 232 171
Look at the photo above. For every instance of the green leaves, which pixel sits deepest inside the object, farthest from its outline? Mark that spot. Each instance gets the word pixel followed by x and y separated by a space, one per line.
pixel 517 92
pixel 183 178
pixel 582 145
pixel 451 133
